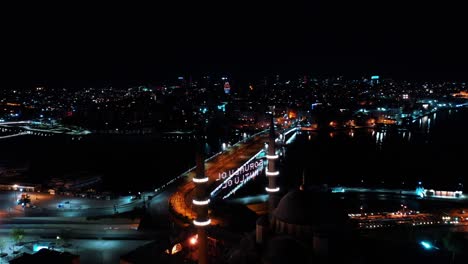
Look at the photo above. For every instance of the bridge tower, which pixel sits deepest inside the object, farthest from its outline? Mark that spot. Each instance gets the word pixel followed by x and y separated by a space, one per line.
pixel 200 202
pixel 272 172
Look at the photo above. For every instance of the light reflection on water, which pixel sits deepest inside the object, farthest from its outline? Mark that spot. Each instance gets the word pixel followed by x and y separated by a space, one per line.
pixel 396 157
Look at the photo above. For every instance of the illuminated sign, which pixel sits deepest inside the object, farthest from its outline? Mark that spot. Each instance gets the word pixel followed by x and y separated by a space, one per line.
pixel 244 181
pixel 375 77
pixel 239 176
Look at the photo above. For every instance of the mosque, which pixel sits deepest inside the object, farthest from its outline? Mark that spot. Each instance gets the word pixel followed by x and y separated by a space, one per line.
pixel 306 225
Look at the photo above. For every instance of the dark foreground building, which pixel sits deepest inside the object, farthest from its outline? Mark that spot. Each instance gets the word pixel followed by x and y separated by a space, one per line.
pixel 310 225
pixel 47 256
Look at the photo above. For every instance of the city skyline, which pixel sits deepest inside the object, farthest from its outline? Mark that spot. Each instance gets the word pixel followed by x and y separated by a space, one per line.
pixel 261 132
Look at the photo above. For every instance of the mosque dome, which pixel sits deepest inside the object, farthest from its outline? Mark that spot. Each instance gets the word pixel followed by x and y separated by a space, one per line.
pixel 293 208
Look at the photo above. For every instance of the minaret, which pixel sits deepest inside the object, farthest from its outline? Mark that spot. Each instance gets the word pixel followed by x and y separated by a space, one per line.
pixel 200 203
pixel 271 172
pixel 303 185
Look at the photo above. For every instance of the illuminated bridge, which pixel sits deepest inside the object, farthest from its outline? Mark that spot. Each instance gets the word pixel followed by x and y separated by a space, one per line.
pixel 230 170
pixel 36 128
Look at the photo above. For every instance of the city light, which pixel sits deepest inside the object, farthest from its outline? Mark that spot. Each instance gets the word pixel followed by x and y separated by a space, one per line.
pixel 272 190
pixel 193 240
pixel 196 202
pixel 204 223
pixel 271 173
pixel 37 247
pixel 200 180
pixel 427 245
pixel 291 139
pixel 289 131
pixel 370 117
pixel 176 248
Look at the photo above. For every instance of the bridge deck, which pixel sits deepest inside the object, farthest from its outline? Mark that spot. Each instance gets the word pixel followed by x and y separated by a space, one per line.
pixel 181 200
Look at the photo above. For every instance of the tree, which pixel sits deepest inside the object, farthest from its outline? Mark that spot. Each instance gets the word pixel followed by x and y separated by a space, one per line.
pixel 17 235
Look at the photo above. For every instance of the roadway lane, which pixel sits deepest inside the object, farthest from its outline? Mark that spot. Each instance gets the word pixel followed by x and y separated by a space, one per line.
pixel 8 205
pixel 233 158
pixel 47 205
pixel 78 227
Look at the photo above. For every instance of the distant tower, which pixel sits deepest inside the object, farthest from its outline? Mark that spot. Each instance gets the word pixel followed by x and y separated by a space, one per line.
pixel 375 79
pixel 271 172
pixel 200 203
pixel 227 88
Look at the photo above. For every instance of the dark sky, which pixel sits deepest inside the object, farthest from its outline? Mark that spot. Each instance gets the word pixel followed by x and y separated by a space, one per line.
pixel 80 44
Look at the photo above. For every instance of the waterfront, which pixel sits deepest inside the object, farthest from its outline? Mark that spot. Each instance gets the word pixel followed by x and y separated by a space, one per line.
pixel 362 157
pixel 432 150
pixel 124 162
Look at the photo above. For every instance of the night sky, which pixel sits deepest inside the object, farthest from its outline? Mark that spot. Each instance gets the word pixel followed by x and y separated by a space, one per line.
pixel 77 45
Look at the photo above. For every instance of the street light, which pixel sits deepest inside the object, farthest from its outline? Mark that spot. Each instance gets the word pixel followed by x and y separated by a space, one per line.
pixel 193 240
pixel 15 188
pixel 403 208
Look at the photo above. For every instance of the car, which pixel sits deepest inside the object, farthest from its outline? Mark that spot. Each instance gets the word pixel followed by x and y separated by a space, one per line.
pixel 23 201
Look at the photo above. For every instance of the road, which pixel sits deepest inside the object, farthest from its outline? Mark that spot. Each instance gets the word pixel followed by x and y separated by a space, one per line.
pixel 47 205
pixel 233 158
pixel 78 227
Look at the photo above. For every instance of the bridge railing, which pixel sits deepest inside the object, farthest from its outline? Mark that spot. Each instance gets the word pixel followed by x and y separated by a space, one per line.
pixel 185 173
pixel 15 135
pixel 235 173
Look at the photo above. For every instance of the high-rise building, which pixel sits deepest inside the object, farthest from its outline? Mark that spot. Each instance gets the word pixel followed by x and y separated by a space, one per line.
pixel 227 88
pixel 374 80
